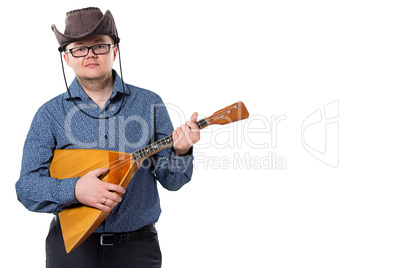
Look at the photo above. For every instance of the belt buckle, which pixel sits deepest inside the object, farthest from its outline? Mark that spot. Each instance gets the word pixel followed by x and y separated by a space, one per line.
pixel 101 240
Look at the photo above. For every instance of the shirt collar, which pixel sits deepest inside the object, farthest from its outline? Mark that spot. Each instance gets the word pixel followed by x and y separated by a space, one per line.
pixel 76 91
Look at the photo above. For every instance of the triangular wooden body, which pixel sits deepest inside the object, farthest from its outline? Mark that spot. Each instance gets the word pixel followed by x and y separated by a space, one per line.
pixel 78 222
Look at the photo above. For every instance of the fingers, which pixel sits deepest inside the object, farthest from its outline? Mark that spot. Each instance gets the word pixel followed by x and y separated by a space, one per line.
pixel 91 191
pixel 108 203
pixel 99 171
pixel 187 130
pixel 194 117
pixel 114 188
pixel 186 136
pixel 110 198
pixel 105 199
pixel 178 135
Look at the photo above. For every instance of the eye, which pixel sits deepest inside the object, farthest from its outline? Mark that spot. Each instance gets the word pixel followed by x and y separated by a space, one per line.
pixel 100 47
pixel 78 49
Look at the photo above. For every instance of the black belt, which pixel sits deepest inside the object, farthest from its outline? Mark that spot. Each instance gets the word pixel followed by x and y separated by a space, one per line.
pixel 111 239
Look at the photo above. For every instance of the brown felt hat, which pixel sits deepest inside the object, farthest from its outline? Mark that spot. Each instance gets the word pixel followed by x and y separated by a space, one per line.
pixel 86 22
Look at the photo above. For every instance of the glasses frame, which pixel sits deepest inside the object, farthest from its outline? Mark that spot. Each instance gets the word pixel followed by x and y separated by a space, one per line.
pixel 90 48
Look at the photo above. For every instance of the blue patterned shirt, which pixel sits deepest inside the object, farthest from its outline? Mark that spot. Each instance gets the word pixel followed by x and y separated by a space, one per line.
pixel 59 124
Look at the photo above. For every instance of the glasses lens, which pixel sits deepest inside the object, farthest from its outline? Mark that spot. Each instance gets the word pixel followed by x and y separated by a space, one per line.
pixel 101 49
pixel 79 51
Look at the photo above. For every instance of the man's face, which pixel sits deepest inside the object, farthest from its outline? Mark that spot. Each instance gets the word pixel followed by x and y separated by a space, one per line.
pixel 92 67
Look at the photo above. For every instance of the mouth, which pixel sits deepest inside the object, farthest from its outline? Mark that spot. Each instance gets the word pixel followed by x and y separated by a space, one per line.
pixel 91 65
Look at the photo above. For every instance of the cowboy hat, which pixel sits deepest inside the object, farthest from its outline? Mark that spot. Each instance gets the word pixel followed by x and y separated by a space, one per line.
pixel 86 22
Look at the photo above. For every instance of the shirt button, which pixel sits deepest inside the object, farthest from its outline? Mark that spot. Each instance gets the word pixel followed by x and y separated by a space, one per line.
pixel 110 107
pixel 106 137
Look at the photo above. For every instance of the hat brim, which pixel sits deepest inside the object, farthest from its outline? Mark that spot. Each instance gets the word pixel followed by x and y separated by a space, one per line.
pixel 106 26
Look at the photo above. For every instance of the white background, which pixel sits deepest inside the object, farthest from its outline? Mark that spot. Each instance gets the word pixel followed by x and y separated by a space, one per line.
pixel 285 58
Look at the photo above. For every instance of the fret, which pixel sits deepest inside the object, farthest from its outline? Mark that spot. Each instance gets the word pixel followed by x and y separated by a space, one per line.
pixel 158 145
pixel 152 148
pixel 164 142
pixel 169 139
pixel 147 150
pixel 136 156
pixel 139 153
pixel 202 123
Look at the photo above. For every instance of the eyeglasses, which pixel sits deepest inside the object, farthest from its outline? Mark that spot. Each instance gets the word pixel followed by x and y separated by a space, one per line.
pixel 83 51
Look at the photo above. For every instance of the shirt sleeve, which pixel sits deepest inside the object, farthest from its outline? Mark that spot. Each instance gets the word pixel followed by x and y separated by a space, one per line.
pixel 36 190
pixel 171 170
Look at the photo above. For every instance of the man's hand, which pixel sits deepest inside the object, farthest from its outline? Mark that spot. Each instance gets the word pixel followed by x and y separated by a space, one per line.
pixel 91 191
pixel 185 136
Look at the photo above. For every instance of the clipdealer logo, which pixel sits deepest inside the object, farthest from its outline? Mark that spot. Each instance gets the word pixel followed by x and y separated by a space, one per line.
pixel 258 133
pixel 241 161
pixel 320 134
pixel 319 137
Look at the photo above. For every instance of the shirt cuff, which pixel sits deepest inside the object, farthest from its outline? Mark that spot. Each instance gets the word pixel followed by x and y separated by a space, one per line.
pixel 190 152
pixel 180 163
pixel 65 192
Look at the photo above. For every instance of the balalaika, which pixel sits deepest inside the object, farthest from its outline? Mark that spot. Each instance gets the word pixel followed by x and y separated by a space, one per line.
pixel 79 221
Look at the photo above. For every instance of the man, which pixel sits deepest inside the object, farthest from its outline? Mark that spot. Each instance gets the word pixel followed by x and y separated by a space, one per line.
pixel 100 111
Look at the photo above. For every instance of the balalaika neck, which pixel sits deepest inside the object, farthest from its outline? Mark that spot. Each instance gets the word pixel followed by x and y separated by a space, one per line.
pixel 161 144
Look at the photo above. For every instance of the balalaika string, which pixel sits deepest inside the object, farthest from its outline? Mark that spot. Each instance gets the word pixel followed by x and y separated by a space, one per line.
pixel 160 144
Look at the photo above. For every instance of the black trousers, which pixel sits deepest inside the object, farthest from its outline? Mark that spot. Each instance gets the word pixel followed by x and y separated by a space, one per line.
pixel 144 253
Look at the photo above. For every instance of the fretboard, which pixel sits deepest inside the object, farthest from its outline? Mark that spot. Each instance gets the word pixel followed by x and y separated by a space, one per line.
pixel 161 144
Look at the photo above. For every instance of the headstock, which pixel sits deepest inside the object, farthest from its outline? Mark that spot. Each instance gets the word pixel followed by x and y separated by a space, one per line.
pixel 235 112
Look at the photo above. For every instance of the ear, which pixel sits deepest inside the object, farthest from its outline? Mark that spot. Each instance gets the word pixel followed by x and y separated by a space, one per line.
pixel 67 59
pixel 114 52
